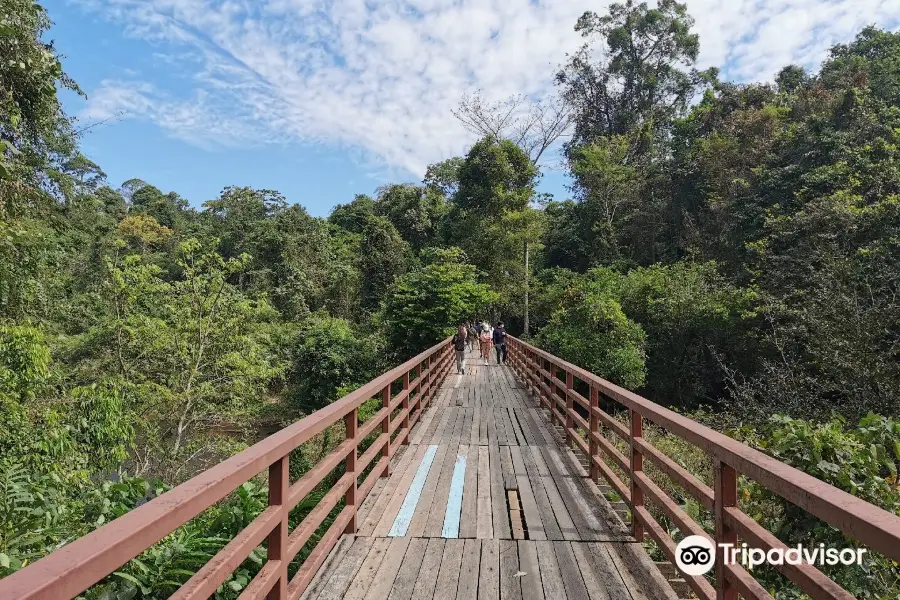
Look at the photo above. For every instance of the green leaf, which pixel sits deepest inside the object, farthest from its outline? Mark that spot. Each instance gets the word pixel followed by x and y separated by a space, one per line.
pixel 4 561
pixel 130 578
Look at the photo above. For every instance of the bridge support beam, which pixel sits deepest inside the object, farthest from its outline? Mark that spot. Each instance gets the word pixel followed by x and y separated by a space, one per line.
pixel 279 483
pixel 386 430
pixel 594 433
pixel 351 422
pixel 725 497
pixel 637 465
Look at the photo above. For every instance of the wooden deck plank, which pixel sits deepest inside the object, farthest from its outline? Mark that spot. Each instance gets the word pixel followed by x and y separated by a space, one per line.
pixel 502 435
pixel 510 588
pixel 539 461
pixel 549 524
pixel 395 490
pixel 489 571
pixel 484 524
pixel 543 425
pixel 334 558
pixel 449 574
pixel 383 581
pixel 533 519
pixel 518 462
pixel 516 427
pixel 532 588
pixel 372 498
pixel 600 575
pixel 438 510
pixel 551 579
pixel 468 519
pixel 366 574
pixel 428 572
pixel 422 427
pixel 491 427
pixel 423 507
pixel 373 516
pixel 509 474
pixel 346 570
pixel 467 588
pixel 640 575
pixel 563 519
pixel 498 496
pixel 571 575
pixel 409 570
pixel 474 436
pixel 581 512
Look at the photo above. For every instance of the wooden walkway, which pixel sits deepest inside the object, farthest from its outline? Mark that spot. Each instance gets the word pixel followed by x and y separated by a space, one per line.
pixel 485 503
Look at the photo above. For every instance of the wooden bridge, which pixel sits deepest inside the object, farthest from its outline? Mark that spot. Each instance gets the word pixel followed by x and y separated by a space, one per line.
pixel 492 484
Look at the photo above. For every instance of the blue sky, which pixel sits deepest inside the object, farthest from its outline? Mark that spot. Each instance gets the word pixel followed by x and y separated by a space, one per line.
pixel 324 99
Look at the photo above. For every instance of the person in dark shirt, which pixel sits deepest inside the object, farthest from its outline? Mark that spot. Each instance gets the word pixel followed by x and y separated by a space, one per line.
pixel 459 345
pixel 500 342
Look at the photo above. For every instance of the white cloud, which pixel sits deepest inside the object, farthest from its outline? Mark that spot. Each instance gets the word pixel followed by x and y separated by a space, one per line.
pixel 380 77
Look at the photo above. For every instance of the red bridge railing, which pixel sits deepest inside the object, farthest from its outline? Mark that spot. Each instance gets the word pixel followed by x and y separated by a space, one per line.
pixel 873 527
pixel 75 567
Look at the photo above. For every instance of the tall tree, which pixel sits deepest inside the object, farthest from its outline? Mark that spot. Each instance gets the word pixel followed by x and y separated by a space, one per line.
pixel 639 79
pixel 415 211
pixel 383 256
pixel 491 216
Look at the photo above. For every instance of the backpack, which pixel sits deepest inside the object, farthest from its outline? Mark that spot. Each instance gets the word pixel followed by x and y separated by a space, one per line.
pixel 459 342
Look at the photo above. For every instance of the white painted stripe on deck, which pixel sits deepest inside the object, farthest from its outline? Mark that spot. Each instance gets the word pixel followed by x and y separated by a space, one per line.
pixel 454 504
pixel 401 523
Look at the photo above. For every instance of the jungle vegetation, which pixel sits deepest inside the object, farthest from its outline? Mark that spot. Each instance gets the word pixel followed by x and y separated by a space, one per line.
pixel 730 250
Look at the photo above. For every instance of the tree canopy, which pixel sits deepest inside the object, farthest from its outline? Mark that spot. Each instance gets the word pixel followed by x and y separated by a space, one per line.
pixel 726 249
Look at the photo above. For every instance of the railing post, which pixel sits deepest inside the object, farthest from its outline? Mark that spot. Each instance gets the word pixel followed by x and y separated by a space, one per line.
pixel 594 424
pixel 406 408
pixel 551 401
pixel 637 465
pixel 725 496
pixel 532 374
pixel 570 407
pixel 545 403
pixel 386 429
pixel 351 421
pixel 419 388
pixel 279 483
pixel 427 382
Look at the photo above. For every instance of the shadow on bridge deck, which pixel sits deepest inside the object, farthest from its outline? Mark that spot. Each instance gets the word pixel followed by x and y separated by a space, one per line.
pixel 485 502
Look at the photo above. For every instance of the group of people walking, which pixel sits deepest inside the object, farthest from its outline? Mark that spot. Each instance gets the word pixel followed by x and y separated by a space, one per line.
pixel 481 333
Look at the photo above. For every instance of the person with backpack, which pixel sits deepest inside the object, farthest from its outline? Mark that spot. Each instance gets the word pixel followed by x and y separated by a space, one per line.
pixel 473 337
pixel 499 340
pixel 459 345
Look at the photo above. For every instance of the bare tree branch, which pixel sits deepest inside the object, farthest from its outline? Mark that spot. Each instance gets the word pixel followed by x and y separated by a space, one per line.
pixel 533 126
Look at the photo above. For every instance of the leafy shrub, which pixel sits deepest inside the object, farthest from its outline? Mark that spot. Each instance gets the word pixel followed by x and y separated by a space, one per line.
pixel 328 355
pixel 695 322
pixel 590 329
pixel 427 304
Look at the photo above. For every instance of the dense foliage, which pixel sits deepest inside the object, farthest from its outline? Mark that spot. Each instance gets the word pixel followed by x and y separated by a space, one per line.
pixel 728 246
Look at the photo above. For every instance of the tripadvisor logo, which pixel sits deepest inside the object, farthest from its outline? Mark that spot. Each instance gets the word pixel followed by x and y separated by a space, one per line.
pixel 696 555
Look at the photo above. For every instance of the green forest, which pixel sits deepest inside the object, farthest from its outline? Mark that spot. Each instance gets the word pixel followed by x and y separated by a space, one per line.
pixel 730 250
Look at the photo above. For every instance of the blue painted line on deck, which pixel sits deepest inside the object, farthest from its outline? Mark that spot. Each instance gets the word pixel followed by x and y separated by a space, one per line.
pixel 454 504
pixel 401 523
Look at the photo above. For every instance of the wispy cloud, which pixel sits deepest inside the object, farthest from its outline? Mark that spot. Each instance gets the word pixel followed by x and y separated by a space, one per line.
pixel 380 78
